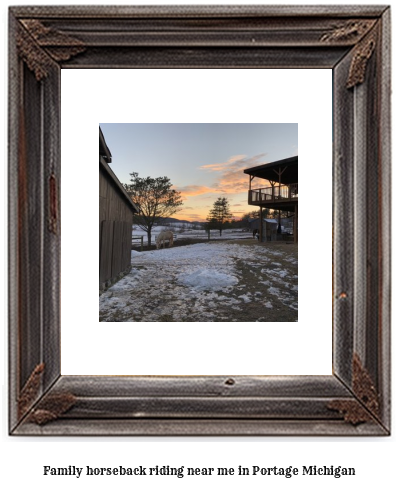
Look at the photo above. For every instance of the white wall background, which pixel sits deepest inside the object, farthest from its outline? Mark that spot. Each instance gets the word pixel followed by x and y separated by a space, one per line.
pixel 250 96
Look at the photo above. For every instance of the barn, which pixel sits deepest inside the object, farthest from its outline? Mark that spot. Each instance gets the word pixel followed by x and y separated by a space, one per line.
pixel 116 220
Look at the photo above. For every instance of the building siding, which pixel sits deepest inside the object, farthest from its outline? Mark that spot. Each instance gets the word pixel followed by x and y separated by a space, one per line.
pixel 115 231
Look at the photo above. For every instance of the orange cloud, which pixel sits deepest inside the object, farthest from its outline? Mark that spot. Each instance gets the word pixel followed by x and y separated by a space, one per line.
pixel 231 176
pixel 229 179
pixel 194 190
pixel 222 166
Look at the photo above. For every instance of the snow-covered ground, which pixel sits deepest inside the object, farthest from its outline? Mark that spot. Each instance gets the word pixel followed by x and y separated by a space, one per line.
pixel 213 281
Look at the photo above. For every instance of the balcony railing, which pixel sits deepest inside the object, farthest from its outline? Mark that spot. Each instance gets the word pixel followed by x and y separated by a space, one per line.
pixel 273 194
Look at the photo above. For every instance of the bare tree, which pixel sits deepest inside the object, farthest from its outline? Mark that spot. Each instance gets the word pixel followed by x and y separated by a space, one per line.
pixel 219 214
pixel 156 200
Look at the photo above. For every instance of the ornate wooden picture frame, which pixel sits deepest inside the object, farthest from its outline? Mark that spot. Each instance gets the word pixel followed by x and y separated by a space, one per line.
pixel 352 41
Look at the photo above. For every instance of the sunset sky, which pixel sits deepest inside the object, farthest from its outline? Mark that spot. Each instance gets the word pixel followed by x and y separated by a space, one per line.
pixel 203 161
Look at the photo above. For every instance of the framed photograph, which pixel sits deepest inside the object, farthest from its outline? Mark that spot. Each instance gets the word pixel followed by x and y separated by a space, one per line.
pixel 196 237
pixel 353 44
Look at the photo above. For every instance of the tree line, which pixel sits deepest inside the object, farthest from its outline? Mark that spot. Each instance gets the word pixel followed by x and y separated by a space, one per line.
pixel 158 201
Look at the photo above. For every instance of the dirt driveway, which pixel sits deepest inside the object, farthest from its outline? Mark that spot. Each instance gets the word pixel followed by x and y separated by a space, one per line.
pixel 224 281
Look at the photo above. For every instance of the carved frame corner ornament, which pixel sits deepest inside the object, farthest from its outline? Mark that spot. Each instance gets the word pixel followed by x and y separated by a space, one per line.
pixel 38 45
pixel 365 407
pixel 360 58
pixel 51 407
pixel 364 32
pixel 349 31
pixel 30 391
pixel 351 41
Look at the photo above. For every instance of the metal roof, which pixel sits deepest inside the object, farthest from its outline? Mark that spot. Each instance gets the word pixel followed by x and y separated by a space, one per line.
pixel 268 171
pixel 105 158
pixel 104 150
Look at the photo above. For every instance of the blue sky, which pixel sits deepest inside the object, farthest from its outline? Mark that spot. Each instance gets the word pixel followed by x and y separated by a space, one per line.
pixel 203 161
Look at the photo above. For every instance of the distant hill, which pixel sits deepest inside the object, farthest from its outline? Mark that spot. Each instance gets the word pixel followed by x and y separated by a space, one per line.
pixel 187 222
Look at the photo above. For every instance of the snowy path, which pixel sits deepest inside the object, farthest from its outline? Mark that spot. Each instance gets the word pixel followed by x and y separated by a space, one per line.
pixel 211 282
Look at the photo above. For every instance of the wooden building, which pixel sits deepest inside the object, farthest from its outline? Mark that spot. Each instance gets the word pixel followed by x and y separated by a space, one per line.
pixel 116 220
pixel 280 192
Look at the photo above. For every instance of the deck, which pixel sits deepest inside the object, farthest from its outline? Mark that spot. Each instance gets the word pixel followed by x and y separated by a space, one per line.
pixel 273 195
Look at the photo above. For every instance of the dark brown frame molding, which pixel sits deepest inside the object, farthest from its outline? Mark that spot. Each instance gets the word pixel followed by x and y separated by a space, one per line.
pixel 352 41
